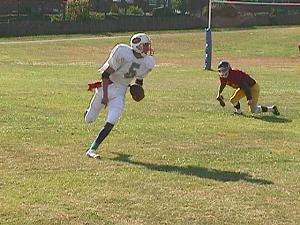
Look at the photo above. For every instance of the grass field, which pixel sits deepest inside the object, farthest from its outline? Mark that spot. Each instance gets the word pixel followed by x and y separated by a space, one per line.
pixel 177 157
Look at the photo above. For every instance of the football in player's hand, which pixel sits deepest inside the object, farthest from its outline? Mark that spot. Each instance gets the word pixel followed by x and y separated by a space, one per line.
pixel 137 92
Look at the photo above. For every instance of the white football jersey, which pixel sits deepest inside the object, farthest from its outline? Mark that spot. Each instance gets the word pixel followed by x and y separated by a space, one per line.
pixel 126 65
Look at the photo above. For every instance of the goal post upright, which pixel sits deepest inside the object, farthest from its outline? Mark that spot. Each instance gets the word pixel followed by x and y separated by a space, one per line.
pixel 208 41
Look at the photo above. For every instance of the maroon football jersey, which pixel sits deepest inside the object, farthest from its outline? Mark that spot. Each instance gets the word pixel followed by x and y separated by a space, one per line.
pixel 236 78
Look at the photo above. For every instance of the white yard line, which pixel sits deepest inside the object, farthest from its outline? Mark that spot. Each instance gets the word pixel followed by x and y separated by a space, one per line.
pixel 79 39
pixel 58 40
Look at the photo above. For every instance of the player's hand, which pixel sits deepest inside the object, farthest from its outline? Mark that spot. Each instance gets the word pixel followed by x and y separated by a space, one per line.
pixel 104 101
pixel 220 99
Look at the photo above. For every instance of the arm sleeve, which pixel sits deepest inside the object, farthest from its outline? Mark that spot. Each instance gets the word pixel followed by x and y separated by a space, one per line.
pixel 221 88
pixel 247 89
pixel 150 63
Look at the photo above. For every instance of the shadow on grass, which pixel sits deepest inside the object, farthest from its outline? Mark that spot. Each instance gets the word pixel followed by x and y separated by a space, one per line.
pixel 201 172
pixel 269 118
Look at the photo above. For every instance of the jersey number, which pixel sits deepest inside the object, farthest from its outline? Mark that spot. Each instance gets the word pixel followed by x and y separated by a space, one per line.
pixel 132 70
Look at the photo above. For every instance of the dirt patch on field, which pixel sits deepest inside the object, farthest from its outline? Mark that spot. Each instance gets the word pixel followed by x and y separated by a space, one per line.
pixel 263 61
pixel 238 62
pixel 165 62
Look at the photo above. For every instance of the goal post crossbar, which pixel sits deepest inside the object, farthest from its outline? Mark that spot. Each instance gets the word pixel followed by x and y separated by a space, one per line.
pixel 208 34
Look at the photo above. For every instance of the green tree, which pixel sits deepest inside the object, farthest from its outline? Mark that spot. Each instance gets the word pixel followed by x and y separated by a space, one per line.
pixel 78 10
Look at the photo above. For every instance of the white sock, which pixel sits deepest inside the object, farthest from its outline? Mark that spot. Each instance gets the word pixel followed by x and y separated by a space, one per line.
pixel 258 109
pixel 270 109
pixel 238 110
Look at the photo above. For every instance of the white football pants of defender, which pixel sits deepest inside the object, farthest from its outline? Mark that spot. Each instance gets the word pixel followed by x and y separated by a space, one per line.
pixel 115 106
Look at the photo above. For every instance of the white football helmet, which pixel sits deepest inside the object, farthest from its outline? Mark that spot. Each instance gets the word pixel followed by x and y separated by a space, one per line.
pixel 138 43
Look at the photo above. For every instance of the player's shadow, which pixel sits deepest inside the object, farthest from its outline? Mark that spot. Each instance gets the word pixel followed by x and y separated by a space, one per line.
pixel 201 172
pixel 270 118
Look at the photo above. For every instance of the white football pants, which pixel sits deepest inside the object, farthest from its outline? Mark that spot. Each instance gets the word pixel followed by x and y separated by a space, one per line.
pixel 115 106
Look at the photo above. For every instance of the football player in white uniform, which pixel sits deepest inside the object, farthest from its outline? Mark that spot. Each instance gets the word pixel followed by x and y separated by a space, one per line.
pixel 123 65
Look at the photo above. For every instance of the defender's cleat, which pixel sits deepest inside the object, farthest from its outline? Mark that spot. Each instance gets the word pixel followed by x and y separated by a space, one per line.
pixel 92 154
pixel 237 113
pixel 275 110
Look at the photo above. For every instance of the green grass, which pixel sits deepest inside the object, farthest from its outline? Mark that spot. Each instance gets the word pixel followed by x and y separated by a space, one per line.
pixel 174 158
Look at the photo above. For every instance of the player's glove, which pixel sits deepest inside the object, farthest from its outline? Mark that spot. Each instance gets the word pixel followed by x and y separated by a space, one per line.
pixel 91 86
pixel 220 99
pixel 137 92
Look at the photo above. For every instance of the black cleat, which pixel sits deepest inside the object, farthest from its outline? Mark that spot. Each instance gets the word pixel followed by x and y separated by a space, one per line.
pixel 84 114
pixel 275 110
pixel 237 113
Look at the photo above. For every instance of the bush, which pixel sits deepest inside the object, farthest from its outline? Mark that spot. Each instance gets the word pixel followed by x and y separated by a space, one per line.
pixel 180 6
pixel 222 10
pixel 135 11
pixel 163 11
pixel 131 10
pixel 97 16
pixel 56 18
pixel 114 9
